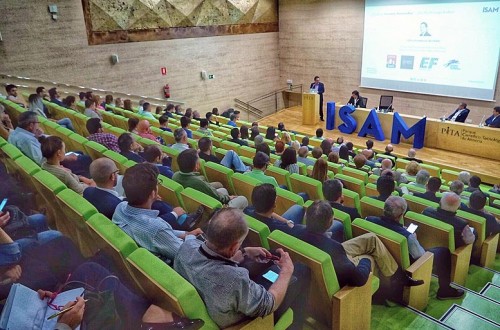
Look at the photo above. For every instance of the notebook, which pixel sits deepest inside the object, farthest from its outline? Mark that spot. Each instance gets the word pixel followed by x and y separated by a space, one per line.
pixel 25 310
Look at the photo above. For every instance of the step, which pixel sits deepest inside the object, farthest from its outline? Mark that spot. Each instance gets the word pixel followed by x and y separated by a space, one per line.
pixel 399 317
pixel 483 306
pixel 460 318
pixel 491 291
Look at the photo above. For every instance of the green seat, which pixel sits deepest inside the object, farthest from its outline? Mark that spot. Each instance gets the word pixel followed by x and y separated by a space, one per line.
pixel 401 163
pixel 244 184
pixel 418 296
pixel 218 173
pixel 372 179
pixel 371 207
pixel 11 151
pixel 76 211
pixel 165 287
pixel 351 199
pixel 371 189
pixel 327 301
pixel 170 191
pixel 351 183
pixel 281 175
pixel 94 150
pixel 412 188
pixel 3 141
pixel 313 188
pixel 418 204
pixel 286 199
pixel 172 153
pixel 335 168
pixel 449 175
pixel 76 142
pixel 433 170
pixel 193 199
pixel 257 234
pixel 355 173
pixel 27 168
pixel 117 158
pixel 302 168
pixel 247 151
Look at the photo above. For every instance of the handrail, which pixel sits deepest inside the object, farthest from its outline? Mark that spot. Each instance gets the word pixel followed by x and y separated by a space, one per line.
pixel 249 107
pixel 291 88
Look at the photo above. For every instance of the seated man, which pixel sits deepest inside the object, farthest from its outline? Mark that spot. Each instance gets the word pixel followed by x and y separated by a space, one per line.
pixel 144 131
pixel 332 191
pixel 181 140
pixel 369 154
pixel 91 110
pixel 163 120
pixel 385 187
pixel 432 187
pixel 230 160
pixel 189 176
pixel 232 120
pixel 494 119
pixel 25 138
pixel 97 135
pixel 457 187
pixel 474 184
pixel 136 218
pixel 228 289
pixel 360 163
pixel 302 156
pixel 146 111
pixel 319 134
pixel 446 212
pixel 411 156
pixel 105 197
pixel 153 155
pixel 353 259
pixel 356 100
pixel 263 206
pixel 204 128
pixel 385 164
pixel 13 96
pixel 235 134
pixel 185 121
pixel 394 209
pixel 459 115
pixel 421 179
pixel 36 104
pixel 260 164
pixel 130 148
pixel 55 97
pixel 477 202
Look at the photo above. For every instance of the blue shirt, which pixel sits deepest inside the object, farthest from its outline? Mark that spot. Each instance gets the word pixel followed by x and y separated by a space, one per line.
pixel 147 114
pixel 148 230
pixel 188 132
pixel 232 123
pixel 27 143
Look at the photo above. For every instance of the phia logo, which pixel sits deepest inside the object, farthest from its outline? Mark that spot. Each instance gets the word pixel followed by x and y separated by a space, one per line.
pixel 449 131
pixel 452 65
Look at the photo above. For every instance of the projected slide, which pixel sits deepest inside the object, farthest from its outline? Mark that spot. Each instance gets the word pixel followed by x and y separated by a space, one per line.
pixel 449 48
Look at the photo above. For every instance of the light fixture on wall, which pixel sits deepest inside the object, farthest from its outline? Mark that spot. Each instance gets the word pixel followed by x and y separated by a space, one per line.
pixel 53 11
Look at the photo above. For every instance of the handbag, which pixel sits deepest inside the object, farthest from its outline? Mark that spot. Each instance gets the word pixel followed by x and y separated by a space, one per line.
pixel 18 226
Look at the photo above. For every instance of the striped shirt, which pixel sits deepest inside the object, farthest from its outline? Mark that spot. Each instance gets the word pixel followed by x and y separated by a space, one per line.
pixel 148 230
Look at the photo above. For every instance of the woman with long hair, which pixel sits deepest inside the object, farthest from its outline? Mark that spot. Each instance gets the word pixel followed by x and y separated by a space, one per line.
pixel 320 170
pixel 288 161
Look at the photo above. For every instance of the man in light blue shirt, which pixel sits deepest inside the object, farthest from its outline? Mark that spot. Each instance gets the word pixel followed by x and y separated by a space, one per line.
pixel 146 111
pixel 181 140
pixel 136 218
pixel 302 156
pixel 25 136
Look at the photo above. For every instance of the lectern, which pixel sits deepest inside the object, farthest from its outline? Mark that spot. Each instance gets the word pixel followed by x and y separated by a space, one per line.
pixel 310 108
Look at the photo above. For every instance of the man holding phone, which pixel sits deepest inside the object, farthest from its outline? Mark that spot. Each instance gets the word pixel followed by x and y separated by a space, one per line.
pixel 394 209
pixel 215 269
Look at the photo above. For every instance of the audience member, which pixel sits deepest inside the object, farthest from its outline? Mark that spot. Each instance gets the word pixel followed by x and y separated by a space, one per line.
pixel 369 144
pixel 185 121
pixel 136 218
pixel 53 149
pixel 286 138
pixel 146 111
pixel 281 127
pixel 5 123
pixel 279 148
pixel 163 120
pixel 263 147
pixel 477 202
pixel 421 179
pixel 411 156
pixel 320 170
pixel 305 142
pixel 215 111
pixel 360 163
pixel 302 156
pixel 385 187
pixel 350 149
pixel 196 115
pixel 210 116
pixel 69 102
pixel 474 184
pixel 344 153
pixel 333 157
pixel 295 145
pixel 271 133
pixel 412 169
pixel 317 152
pixel 129 148
pixel 288 161
pixel 178 110
pixel 13 96
pixel 236 137
pixel 188 113
pixel 189 176
pixel 132 125
pixel 97 102
pixel 446 212
pixel 232 120
pixel 332 191
pixel 181 140
pixel 394 209
pixel 464 177
pixel 386 164
pixel 244 135
pixel 230 160
pixel 127 105
pixel 119 102
pixel 97 134
pixel 254 133
pixel 204 128
pixel 153 155
pixel 319 134
pixel 144 131
pixel 432 187
pixel 326 147
pixel 36 105
pixel 108 100
pixel 217 263
pixel 260 164
pixel 457 187
pixel 90 110
pixel 169 110
pixel 369 154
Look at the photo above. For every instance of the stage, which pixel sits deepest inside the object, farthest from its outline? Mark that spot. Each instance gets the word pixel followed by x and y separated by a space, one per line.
pixel 484 167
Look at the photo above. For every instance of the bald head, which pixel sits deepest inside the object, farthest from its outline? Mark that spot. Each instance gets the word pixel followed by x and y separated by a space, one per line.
pixel 389 148
pixel 303 151
pixel 227 227
pixel 368 153
pixel 101 171
pixel 450 202
pixel 412 153
pixel 394 207
pixel 143 126
pixel 386 164
pixel 464 177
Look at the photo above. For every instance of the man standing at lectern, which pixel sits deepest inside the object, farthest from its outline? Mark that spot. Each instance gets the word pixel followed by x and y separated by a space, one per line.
pixel 320 89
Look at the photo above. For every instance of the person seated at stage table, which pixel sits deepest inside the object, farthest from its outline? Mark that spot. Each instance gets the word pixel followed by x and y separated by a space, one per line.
pixel 333 193
pixel 421 179
pixel 447 212
pixel 54 150
pixel 129 148
pixel 394 209
pixel 477 202
pixel 302 156
pixel 356 100
pixel 411 156
pixel 432 187
pixel 288 161
pixel 459 115
pixel 385 164
pixel 494 119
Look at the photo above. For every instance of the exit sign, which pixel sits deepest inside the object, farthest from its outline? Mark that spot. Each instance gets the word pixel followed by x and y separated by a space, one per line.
pixel 164 71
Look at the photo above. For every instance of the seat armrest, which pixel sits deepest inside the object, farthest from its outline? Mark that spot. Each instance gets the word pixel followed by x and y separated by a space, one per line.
pixel 266 322
pixel 418 296
pixel 460 260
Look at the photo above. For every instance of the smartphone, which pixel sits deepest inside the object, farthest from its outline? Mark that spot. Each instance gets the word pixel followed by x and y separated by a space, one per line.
pixel 471 229
pixel 201 237
pixel 272 257
pixel 271 276
pixel 412 228
pixel 2 205
pixel 71 153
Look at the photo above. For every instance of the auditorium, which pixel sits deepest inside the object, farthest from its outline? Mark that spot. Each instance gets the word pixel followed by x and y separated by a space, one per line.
pixel 249 164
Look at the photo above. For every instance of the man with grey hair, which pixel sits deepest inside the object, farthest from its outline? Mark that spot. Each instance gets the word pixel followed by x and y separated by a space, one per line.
pixel 446 212
pixel 457 187
pixel 181 140
pixel 411 156
pixel 464 177
pixel 302 156
pixel 216 268
pixel 385 164
pixel 394 209
pixel 421 179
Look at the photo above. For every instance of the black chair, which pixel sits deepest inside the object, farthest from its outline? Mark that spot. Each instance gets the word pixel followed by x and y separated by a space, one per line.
pixel 385 103
pixel 364 101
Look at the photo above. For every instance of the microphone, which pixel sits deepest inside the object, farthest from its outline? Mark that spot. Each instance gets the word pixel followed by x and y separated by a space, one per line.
pixel 481 122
